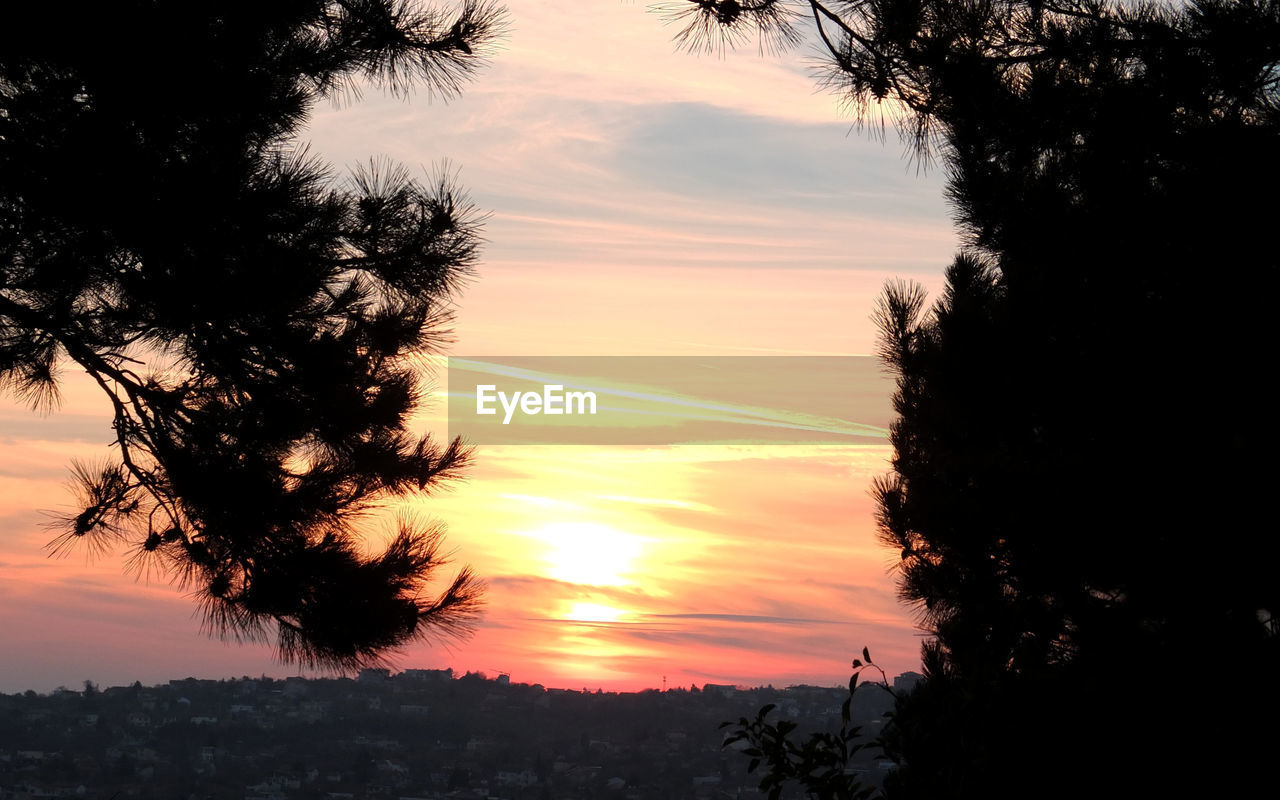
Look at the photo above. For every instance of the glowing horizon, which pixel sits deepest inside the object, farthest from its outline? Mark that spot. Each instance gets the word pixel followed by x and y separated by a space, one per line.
pixel 643 202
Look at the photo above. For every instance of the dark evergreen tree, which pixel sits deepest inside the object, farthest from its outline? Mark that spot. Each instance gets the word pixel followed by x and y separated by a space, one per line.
pixel 253 322
pixel 1083 451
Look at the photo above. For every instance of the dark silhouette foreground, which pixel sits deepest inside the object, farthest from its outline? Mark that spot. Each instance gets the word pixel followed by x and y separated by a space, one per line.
pixel 1085 450
pixel 253 323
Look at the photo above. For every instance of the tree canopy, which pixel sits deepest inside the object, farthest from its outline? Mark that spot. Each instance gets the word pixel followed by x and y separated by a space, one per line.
pixel 255 323
pixel 1083 451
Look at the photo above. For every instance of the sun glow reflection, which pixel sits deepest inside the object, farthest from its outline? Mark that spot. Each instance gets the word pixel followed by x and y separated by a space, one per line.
pixel 595 612
pixel 589 553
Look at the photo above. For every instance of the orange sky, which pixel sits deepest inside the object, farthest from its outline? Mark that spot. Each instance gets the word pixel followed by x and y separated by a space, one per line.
pixel 644 202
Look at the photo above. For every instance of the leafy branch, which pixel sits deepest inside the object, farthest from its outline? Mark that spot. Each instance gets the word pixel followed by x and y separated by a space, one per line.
pixel 820 764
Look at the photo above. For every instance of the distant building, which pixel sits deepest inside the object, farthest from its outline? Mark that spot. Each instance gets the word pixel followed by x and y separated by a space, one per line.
pixel 522 779
pixel 296 687
pixel 374 675
pixel 724 690
pixel 907 681
pixel 427 674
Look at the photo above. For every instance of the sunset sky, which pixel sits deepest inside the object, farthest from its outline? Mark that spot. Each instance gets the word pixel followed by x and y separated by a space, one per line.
pixel 643 201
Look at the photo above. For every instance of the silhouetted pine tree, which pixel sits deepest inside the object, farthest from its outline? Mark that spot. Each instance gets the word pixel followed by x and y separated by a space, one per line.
pixel 1084 452
pixel 253 322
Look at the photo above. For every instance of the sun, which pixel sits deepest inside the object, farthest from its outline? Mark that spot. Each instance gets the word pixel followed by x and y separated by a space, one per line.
pixel 589 553
pixel 595 612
